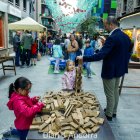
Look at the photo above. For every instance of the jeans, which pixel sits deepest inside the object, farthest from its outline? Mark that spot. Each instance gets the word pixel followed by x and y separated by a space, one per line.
pixel 26 56
pixel 72 56
pixel 57 64
pixel 87 65
pixel 21 133
pixel 17 52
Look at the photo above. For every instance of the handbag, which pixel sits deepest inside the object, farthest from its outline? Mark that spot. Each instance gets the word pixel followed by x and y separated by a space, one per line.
pixel 78 52
pixel 38 56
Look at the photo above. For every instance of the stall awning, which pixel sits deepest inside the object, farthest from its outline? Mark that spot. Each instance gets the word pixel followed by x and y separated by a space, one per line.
pixel 27 24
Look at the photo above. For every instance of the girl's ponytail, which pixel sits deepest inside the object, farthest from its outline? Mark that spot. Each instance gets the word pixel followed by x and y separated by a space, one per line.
pixel 20 82
pixel 11 90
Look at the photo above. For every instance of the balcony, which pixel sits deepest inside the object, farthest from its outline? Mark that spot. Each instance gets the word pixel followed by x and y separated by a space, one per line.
pixel 11 2
pixel 137 9
pixel 50 19
pixel 17 5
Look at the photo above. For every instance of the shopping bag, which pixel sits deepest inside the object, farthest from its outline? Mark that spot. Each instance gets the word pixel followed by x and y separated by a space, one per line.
pixel 38 56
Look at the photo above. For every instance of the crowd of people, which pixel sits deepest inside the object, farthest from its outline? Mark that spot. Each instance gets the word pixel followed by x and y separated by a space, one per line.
pixel 28 49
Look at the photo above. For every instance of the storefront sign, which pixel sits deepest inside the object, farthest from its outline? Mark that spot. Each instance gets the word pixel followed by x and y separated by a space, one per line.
pixel 3 6
pixel 14 11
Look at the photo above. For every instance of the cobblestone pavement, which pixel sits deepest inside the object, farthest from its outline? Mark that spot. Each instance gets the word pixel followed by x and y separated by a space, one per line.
pixel 125 127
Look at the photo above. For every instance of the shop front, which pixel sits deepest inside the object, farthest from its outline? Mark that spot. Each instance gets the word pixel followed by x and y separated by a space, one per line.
pixel 131 26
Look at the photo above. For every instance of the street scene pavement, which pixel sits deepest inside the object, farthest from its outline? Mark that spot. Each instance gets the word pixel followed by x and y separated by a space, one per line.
pixel 126 126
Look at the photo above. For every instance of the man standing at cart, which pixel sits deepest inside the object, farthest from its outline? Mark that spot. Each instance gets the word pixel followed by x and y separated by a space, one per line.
pixel 115 54
pixel 16 47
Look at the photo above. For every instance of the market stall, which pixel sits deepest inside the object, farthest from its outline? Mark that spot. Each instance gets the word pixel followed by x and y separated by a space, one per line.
pixel 26 24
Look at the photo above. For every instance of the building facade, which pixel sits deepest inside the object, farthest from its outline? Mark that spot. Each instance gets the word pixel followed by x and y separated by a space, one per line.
pixel 12 11
pixel 44 16
pixel 128 12
pixel 103 9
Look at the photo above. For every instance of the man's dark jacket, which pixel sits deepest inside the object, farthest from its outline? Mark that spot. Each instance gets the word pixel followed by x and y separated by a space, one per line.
pixel 16 42
pixel 115 54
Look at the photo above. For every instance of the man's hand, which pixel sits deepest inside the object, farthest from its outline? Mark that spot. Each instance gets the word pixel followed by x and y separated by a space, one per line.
pixel 79 58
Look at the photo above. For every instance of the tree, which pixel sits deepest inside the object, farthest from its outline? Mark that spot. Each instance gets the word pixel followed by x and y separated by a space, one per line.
pixel 88 25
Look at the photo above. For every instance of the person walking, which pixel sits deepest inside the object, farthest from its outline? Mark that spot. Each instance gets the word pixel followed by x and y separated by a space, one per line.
pixel 16 46
pixel 27 41
pixel 88 51
pixel 66 42
pixel 115 54
pixel 34 48
pixel 57 54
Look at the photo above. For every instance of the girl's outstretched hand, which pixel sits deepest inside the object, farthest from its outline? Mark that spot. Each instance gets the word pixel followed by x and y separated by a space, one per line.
pixel 38 98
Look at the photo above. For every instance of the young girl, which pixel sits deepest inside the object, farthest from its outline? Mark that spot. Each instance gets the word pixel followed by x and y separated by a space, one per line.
pixel 57 54
pixel 68 79
pixel 24 107
pixel 34 53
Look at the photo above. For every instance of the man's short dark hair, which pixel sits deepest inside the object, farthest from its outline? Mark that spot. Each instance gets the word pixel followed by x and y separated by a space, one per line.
pixel 113 20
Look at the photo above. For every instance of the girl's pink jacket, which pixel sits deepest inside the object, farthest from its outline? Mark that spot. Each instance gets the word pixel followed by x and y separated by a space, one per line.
pixel 25 109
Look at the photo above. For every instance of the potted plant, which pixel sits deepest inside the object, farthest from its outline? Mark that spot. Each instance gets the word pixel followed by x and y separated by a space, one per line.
pixel 134 58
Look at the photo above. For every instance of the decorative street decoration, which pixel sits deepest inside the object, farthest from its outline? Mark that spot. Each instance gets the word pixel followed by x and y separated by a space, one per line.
pixel 66 12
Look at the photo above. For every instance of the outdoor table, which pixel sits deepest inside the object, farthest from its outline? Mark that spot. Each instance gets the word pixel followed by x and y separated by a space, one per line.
pixel 131 65
pixel 8 67
pixel 105 133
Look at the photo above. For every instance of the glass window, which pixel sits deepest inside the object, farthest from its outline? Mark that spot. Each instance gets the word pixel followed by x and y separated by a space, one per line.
pixel 30 8
pixel 17 3
pixel 11 19
pixel 124 5
pixel 24 5
pixel 10 1
pixel 138 2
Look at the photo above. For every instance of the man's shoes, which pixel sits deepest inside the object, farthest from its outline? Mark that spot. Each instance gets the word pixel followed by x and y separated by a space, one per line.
pixel 108 118
pixel 114 115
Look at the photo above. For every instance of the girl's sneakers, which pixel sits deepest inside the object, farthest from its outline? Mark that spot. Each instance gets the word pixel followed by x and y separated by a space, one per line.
pixel 56 72
pixel 7 133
